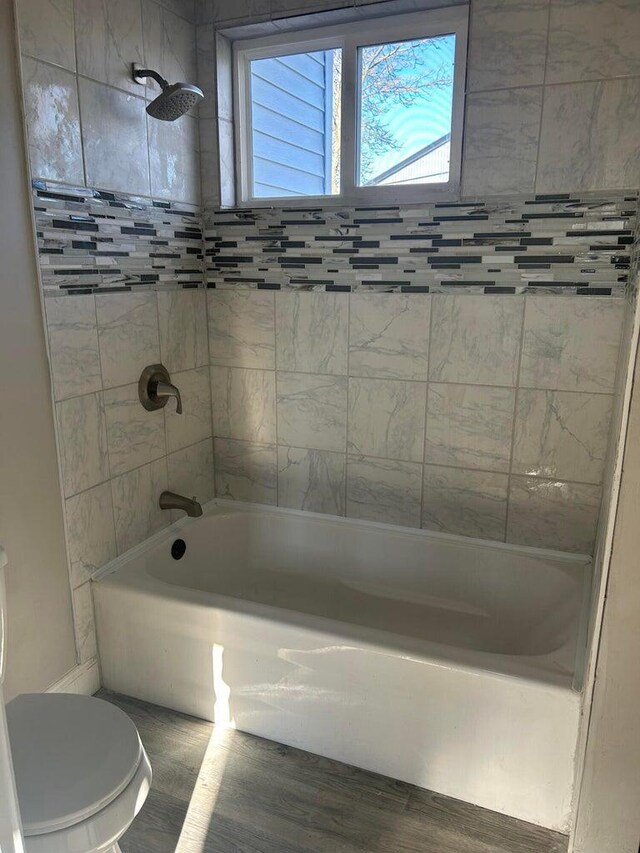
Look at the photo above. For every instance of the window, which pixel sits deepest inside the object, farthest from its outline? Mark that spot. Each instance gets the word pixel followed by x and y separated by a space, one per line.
pixel 362 112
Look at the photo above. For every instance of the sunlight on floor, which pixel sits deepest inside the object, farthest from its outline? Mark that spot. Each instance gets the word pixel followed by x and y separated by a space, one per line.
pixel 197 822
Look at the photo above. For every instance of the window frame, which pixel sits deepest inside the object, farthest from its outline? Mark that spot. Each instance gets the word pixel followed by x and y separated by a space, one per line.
pixel 348 38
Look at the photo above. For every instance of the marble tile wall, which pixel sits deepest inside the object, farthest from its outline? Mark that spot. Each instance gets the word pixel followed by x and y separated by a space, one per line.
pixel 116 457
pixel 481 415
pixel 86 119
pixel 553 89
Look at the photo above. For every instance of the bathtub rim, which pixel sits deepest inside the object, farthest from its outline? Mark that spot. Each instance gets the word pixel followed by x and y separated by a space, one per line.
pixel 222 506
pixel 426 651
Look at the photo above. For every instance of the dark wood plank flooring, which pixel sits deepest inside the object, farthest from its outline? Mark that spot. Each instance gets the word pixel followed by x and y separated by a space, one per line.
pixel 217 791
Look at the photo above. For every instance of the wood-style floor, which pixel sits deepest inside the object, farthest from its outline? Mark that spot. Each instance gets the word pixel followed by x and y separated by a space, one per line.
pixel 217 791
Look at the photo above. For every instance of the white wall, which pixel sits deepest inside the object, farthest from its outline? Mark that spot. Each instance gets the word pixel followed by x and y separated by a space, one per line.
pixel 40 630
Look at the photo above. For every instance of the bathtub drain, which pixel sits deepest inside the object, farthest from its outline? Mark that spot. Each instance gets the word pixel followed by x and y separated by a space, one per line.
pixel 178 549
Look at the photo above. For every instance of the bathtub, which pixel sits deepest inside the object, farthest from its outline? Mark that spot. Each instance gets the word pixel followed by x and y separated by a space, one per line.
pixel 443 661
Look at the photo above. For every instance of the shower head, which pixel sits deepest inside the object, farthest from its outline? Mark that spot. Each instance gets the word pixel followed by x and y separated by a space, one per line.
pixel 174 100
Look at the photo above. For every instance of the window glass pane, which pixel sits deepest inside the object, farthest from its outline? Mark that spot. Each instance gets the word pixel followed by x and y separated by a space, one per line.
pixel 295 124
pixel 406 98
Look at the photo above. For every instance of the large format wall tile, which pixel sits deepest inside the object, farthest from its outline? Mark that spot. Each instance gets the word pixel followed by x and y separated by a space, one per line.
pixel 109 39
pixel 244 403
pixel 553 514
pixel 246 471
pixel 588 138
pixel 90 532
pixel 384 490
pixel 226 153
pixel 46 31
pixel 561 434
pixel 501 141
pixel 83 443
pixel 468 503
pixel 312 411
pixel 312 480
pixel 128 335
pixel 469 426
pixel 389 336
pixel 182 320
pixel 184 8
pixel 475 339
pixel 571 344
pixel 83 623
pixel 224 65
pixel 73 345
pixel 114 138
pixel 169 45
pixel 591 39
pixel 209 163
pixel 174 159
pixel 220 11
pixel 311 332
pixel 134 435
pixel 241 328
pixel 386 418
pixel 209 65
pixel 53 122
pixel 194 424
pixel 190 471
pixel 135 504
pixel 507 44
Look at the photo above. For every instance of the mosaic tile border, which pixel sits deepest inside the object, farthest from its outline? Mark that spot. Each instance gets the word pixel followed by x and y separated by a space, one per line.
pixel 95 241
pixel 556 244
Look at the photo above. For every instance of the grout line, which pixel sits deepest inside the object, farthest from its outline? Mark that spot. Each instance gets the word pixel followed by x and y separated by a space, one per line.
pixel 275 385
pixel 76 82
pixel 513 423
pixel 426 411
pixel 346 447
pixel 354 455
pixel 372 378
pixel 209 368
pixel 544 98
pixel 112 502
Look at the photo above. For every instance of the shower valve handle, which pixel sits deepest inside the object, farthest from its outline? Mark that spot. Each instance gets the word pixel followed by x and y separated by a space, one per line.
pixel 155 389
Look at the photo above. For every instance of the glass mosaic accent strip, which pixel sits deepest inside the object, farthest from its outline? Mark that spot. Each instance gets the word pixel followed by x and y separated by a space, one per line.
pixel 97 241
pixel 545 244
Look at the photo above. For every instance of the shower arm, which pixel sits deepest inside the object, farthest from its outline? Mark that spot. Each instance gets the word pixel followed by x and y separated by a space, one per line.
pixel 138 73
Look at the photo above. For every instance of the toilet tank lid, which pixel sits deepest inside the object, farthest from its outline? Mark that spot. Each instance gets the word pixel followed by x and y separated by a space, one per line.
pixel 72 756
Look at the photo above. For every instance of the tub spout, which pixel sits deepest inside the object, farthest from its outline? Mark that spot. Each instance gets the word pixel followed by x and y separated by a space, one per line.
pixel 171 500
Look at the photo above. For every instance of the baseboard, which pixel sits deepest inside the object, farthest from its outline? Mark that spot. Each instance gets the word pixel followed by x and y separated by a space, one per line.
pixel 83 679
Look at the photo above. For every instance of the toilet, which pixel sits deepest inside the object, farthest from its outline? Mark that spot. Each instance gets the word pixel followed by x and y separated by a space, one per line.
pixel 81 772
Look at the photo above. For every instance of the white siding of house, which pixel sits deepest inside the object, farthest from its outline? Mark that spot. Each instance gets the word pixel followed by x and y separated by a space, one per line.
pixel 291 133
pixel 433 168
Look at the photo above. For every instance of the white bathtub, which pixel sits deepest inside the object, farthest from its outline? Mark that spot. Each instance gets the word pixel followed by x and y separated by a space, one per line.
pixel 442 661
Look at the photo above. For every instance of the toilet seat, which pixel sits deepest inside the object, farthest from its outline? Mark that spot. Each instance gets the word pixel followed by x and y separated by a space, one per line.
pixel 72 756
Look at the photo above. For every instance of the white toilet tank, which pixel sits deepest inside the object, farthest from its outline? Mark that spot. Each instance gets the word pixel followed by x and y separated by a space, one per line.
pixel 10 829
